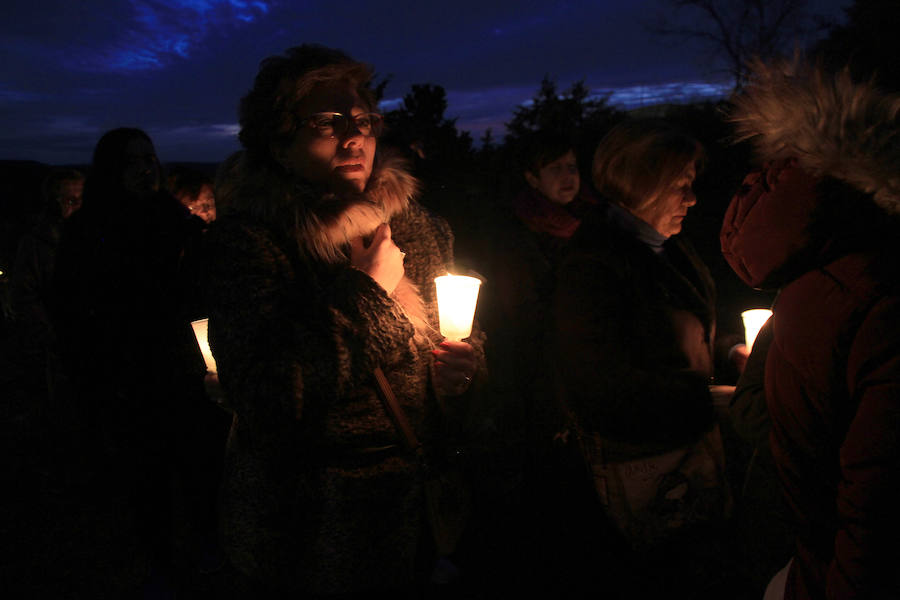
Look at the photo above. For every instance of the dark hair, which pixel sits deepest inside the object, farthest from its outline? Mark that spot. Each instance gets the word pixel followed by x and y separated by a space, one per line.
pixel 104 181
pixel 638 160
pixel 110 159
pixel 540 148
pixel 267 112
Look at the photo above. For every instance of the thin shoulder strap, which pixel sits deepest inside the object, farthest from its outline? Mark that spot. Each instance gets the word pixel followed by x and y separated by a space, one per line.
pixel 396 412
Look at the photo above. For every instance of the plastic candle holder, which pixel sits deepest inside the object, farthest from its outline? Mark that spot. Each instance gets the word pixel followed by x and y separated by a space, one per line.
pixel 200 331
pixel 457 296
pixel 754 319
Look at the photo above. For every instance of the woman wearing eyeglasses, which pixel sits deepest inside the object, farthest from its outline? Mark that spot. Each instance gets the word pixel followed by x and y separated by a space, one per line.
pixel 322 272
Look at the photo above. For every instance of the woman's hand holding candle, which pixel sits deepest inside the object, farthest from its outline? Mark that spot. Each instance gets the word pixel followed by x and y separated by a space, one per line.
pixel 454 366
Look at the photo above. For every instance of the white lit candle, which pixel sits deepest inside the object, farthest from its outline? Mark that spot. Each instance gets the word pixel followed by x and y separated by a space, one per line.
pixel 457 296
pixel 754 319
pixel 200 331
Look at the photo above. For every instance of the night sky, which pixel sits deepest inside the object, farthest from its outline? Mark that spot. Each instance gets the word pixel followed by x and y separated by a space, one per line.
pixel 74 69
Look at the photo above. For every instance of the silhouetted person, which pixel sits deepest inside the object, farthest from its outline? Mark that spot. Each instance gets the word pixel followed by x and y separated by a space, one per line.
pixel 31 288
pixel 125 339
pixel 529 481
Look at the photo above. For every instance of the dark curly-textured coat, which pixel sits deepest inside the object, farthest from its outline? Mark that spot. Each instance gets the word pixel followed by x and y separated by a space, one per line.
pixel 317 496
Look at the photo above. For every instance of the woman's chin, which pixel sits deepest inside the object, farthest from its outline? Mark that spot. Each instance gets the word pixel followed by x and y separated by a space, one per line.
pixel 349 184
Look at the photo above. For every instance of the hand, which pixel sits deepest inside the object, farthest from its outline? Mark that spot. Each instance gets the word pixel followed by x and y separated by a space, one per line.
pixel 738 356
pixel 213 388
pixel 454 367
pixel 382 260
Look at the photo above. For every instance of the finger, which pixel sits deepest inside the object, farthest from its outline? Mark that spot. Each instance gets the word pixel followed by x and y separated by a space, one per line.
pixel 455 363
pixel 449 377
pixel 458 348
pixel 382 232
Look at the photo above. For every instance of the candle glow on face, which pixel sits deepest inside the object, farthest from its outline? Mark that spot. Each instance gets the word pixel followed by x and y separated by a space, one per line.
pixel 200 331
pixel 754 319
pixel 457 296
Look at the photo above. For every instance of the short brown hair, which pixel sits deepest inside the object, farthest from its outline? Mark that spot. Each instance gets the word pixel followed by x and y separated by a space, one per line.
pixel 267 112
pixel 638 160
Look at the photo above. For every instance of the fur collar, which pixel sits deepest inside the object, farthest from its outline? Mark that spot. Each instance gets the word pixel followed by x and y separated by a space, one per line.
pixel 831 125
pixel 323 223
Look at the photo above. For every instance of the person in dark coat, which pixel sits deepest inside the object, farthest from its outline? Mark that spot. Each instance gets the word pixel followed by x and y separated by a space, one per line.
pixel 819 222
pixel 127 345
pixel 635 305
pixel 527 530
pixel 31 289
pixel 633 333
pixel 321 272
pixel 526 246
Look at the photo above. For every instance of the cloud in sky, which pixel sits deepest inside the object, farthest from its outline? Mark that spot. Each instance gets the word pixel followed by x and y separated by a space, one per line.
pixel 477 111
pixel 180 67
pixel 163 31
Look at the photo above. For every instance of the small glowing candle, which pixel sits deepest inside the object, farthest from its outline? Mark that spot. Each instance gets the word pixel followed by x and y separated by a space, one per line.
pixel 457 296
pixel 200 331
pixel 754 319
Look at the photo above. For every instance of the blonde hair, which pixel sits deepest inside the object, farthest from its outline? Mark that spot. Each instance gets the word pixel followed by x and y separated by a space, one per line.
pixel 638 160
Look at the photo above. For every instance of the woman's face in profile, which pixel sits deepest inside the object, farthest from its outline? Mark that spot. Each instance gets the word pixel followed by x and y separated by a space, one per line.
pixel 341 160
pixel 666 213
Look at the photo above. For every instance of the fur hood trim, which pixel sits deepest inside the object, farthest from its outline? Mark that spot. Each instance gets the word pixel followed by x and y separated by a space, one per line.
pixel 831 125
pixel 322 223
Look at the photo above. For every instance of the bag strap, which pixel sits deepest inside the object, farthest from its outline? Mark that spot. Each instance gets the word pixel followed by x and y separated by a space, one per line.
pixel 396 412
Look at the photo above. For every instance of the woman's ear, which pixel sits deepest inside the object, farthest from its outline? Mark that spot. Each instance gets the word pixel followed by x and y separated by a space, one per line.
pixel 533 181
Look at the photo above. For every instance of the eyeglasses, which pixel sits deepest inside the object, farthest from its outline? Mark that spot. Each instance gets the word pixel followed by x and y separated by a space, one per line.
pixel 335 124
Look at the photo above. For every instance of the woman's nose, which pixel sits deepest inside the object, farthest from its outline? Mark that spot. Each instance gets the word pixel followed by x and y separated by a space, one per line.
pixel 353 136
pixel 690 198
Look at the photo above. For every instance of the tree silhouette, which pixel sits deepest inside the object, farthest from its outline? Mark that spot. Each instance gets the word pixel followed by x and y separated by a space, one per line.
pixel 868 43
pixel 569 112
pixel 573 113
pixel 420 125
pixel 737 31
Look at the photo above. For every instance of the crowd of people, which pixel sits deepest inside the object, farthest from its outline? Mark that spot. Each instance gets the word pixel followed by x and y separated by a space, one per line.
pixel 577 444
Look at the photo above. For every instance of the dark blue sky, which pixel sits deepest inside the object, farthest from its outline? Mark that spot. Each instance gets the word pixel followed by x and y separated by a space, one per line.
pixel 74 69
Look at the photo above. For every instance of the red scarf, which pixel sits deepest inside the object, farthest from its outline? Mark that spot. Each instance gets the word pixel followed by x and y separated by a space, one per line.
pixel 543 216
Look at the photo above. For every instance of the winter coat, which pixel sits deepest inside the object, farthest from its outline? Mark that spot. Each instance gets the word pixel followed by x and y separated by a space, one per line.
pixel 30 288
pixel 525 252
pixel 633 336
pixel 118 307
pixel 319 496
pixel 816 221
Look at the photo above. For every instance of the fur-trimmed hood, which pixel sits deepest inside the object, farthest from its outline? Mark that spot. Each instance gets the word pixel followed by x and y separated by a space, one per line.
pixel 831 125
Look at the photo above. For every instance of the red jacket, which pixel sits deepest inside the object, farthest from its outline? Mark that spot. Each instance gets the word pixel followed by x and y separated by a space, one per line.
pixel 820 222
pixel 832 375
